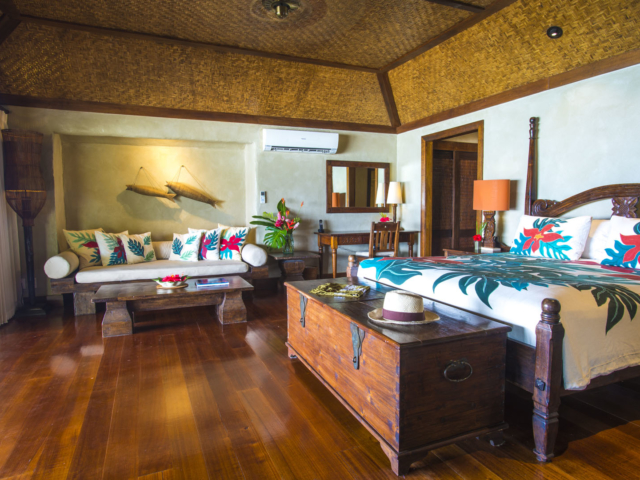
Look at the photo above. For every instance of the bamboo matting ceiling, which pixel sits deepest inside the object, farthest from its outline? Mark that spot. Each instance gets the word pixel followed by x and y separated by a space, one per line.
pixel 368 33
pixel 49 62
pixel 506 50
pixel 511 49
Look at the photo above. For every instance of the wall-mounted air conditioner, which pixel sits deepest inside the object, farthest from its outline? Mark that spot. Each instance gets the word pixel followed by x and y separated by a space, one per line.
pixel 300 141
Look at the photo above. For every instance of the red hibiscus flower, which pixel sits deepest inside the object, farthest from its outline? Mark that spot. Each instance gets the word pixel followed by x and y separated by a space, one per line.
pixel 633 240
pixel 119 250
pixel 93 244
pixel 537 236
pixel 231 244
pixel 477 238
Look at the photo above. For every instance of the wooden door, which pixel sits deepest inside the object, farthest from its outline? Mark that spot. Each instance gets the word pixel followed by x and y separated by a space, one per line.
pixel 455 167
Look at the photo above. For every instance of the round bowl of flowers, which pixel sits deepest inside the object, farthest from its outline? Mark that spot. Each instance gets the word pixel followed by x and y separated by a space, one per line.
pixel 172 281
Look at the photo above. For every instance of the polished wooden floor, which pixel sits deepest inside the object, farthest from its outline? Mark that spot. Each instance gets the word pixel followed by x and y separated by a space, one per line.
pixel 186 398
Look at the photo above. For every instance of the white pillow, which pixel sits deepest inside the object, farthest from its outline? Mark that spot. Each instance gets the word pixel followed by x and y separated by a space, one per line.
pixel 623 243
pixel 210 245
pixel 559 238
pixel 231 242
pixel 596 243
pixel 61 265
pixel 138 248
pixel 185 247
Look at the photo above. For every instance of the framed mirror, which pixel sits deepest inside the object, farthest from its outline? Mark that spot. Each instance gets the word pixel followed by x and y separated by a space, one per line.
pixel 357 187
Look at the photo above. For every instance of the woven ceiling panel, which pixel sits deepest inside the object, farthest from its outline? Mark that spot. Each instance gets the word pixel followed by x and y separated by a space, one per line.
pixel 511 49
pixel 53 63
pixel 369 33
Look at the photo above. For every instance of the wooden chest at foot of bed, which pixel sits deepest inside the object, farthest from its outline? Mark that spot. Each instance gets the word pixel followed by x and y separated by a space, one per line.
pixel 415 388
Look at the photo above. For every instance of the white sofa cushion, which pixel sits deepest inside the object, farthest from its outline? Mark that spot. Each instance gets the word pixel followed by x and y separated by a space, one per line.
pixel 254 255
pixel 61 265
pixel 160 268
pixel 162 249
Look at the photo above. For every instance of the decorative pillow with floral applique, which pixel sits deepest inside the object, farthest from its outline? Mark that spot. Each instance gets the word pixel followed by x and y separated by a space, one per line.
pixel 138 248
pixel 210 245
pixel 185 247
pixel 623 244
pixel 559 238
pixel 112 250
pixel 83 244
pixel 232 241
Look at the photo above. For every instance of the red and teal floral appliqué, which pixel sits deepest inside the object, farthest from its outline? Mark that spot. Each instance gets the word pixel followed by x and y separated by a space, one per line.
pixel 626 251
pixel 87 240
pixel 118 255
pixel 232 244
pixel 209 244
pixel 541 238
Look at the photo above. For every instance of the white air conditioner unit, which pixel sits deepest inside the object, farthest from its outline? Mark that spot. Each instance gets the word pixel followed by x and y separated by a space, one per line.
pixel 300 141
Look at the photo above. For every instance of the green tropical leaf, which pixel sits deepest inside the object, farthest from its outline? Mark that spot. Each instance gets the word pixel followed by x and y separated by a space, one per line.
pixel 187 255
pixel 136 247
pixel 191 240
pixel 150 256
pixel 147 240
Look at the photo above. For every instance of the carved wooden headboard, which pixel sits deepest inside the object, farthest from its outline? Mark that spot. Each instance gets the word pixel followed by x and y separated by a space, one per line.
pixel 624 196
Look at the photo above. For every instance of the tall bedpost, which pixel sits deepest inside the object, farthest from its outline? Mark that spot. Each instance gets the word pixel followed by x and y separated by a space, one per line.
pixel 530 192
pixel 548 379
pixel 352 268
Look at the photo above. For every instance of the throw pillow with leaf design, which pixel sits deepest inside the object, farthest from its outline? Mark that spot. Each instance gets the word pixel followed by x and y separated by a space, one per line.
pixel 559 238
pixel 83 244
pixel 185 247
pixel 231 242
pixel 138 248
pixel 112 250
pixel 210 245
pixel 622 248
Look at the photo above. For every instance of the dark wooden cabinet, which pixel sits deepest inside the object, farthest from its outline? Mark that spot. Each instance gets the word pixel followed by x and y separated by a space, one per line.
pixel 415 388
pixel 455 167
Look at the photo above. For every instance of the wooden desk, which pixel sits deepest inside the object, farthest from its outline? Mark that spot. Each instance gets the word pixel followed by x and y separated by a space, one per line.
pixel 334 239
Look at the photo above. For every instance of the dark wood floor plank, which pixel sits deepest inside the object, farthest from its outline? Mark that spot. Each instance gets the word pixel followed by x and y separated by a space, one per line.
pixel 216 445
pixel 362 466
pixel 187 460
pixel 154 446
pixel 121 460
pixel 88 457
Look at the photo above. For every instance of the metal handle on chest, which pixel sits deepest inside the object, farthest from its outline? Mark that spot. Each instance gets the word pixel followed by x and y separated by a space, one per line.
pixel 455 364
pixel 303 309
pixel 357 336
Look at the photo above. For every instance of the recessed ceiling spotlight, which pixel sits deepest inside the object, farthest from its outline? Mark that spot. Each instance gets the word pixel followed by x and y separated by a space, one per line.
pixel 281 8
pixel 554 32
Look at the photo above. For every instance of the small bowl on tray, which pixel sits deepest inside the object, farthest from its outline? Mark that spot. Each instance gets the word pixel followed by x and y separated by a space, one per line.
pixel 172 281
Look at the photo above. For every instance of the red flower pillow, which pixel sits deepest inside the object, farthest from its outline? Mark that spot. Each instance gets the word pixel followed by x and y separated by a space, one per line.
pixel 559 238
pixel 623 243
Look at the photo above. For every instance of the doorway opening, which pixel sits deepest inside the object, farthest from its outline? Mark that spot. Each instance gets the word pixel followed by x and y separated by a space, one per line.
pixel 451 161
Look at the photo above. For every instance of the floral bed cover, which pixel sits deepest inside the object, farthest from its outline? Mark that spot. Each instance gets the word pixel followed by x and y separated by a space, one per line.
pixel 599 302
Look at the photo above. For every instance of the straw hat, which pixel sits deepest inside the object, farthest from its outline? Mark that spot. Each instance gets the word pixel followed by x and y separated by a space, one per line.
pixel 402 308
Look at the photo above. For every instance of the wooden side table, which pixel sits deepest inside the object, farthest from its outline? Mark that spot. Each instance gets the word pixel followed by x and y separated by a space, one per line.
pixel 292 265
pixel 451 252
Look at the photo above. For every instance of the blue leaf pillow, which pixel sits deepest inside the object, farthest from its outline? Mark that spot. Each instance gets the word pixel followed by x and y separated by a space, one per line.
pixel 138 248
pixel 185 247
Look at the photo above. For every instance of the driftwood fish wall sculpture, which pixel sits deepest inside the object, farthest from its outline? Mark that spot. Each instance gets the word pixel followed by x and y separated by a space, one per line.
pixel 151 192
pixel 188 191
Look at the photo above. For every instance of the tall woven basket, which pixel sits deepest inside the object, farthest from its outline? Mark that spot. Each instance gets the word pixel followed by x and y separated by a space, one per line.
pixel 25 190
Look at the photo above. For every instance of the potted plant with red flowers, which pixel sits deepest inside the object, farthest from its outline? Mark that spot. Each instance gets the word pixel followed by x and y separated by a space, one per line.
pixel 279 227
pixel 172 281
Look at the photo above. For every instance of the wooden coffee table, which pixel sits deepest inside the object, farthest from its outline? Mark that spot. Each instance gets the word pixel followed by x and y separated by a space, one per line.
pixel 124 299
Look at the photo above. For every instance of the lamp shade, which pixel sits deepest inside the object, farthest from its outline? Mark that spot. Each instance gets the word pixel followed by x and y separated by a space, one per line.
pixel 380 194
pixel 23 182
pixel 395 193
pixel 491 195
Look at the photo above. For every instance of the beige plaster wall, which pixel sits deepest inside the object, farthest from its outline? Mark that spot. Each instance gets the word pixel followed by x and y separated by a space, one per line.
pixel 97 170
pixel 297 177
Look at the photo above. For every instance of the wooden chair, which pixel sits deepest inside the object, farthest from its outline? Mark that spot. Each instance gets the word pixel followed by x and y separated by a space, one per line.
pixel 383 240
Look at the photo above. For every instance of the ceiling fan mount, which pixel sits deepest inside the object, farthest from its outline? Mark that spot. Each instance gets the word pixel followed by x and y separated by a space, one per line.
pixel 281 8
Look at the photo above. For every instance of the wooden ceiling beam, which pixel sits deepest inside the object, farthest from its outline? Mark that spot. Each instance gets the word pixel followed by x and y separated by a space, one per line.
pixel 389 100
pixel 99 107
pixel 8 24
pixel 188 43
pixel 447 34
pixel 459 5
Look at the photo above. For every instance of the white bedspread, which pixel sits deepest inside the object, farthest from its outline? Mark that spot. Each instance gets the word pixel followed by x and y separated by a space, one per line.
pixel 598 302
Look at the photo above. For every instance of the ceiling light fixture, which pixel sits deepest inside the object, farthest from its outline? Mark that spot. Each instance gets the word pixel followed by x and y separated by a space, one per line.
pixel 554 32
pixel 281 8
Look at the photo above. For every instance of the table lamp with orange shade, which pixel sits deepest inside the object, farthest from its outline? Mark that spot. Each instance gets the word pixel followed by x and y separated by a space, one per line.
pixel 491 196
